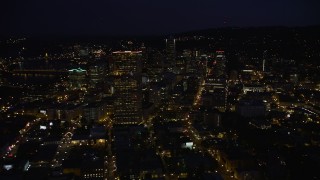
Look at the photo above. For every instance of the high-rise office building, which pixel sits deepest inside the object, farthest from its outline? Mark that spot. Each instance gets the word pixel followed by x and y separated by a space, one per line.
pixel 171 52
pixel 96 73
pixel 77 78
pixel 215 95
pixel 126 68
pixel 220 66
pixel 265 61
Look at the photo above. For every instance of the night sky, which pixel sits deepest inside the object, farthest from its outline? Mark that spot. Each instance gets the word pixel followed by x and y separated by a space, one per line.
pixel 149 17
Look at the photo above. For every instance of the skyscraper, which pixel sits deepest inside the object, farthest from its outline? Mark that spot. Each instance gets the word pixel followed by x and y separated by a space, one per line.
pixel 264 60
pixel 77 78
pixel 171 52
pixel 220 66
pixel 126 68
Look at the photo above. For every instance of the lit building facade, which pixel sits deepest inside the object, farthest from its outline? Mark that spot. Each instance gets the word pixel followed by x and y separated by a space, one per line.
pixel 215 95
pixel 96 74
pixel 126 68
pixel 77 78
pixel 171 52
pixel 220 67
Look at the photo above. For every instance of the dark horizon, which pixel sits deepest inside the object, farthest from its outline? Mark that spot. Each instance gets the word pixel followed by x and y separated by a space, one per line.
pixel 127 18
pixel 159 35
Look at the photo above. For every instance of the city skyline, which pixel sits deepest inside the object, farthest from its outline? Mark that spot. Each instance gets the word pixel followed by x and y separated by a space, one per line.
pixel 165 90
pixel 229 103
